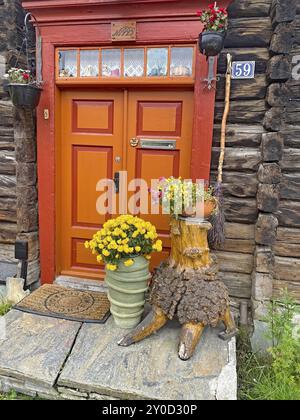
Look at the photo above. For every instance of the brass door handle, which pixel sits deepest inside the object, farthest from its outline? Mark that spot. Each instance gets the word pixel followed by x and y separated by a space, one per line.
pixel 134 142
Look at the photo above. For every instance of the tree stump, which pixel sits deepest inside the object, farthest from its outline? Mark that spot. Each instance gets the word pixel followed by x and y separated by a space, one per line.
pixel 187 287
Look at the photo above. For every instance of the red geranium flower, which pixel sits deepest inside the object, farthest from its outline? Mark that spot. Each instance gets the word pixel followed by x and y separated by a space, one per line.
pixel 25 76
pixel 199 12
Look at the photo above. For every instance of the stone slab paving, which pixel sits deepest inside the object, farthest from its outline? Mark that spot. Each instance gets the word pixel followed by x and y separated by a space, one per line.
pixel 35 348
pixel 59 359
pixel 150 369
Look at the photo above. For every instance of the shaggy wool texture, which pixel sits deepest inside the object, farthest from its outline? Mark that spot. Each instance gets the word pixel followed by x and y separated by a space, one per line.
pixel 191 296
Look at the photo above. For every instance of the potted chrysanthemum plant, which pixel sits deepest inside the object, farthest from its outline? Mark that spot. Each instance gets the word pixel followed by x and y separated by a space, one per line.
pixel 184 198
pixel 24 90
pixel 215 21
pixel 125 245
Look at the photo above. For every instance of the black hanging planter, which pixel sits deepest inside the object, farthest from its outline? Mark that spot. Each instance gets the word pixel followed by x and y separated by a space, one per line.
pixel 24 95
pixel 211 43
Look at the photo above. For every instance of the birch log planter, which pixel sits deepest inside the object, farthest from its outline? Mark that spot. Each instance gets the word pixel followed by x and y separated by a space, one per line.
pixel 127 289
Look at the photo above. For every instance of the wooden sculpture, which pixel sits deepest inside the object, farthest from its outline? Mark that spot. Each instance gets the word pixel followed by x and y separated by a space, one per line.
pixel 187 286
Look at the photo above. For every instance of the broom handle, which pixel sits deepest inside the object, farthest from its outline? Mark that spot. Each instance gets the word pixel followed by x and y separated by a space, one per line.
pixel 225 117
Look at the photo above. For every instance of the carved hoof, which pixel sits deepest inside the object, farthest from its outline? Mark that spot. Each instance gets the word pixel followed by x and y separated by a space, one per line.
pixel 126 341
pixel 227 335
pixel 184 353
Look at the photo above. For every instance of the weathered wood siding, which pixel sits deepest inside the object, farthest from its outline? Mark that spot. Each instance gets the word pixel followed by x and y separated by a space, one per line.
pixel 249 36
pixel 18 194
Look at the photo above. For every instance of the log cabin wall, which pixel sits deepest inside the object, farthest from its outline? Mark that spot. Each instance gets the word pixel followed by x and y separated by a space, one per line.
pixel 18 192
pixel 262 174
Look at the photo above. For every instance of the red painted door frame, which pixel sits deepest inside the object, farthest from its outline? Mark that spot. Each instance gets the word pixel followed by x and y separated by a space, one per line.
pixel 87 22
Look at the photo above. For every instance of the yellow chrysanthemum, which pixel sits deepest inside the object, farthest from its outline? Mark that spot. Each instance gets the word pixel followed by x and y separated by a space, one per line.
pixel 138 249
pixel 129 263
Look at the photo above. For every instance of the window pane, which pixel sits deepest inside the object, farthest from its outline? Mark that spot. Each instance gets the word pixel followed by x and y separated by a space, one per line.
pixel 134 62
pixel 68 63
pixel 182 61
pixel 89 63
pixel 111 63
pixel 157 62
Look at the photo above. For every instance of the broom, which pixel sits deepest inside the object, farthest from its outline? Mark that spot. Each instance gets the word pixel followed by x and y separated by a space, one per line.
pixel 216 235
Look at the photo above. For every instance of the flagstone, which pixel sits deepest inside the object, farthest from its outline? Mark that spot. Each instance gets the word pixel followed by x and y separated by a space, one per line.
pixel 150 369
pixel 36 347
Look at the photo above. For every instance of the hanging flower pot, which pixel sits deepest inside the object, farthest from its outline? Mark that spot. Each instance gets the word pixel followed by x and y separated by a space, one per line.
pixel 124 244
pixel 23 90
pixel 211 43
pixel 25 96
pixel 215 21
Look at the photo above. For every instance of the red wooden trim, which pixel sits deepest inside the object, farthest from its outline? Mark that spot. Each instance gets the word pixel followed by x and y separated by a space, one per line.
pixel 203 122
pixel 88 24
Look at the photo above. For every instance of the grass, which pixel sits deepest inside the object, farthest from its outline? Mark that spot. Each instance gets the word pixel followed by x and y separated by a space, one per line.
pixel 276 375
pixel 13 396
pixel 4 307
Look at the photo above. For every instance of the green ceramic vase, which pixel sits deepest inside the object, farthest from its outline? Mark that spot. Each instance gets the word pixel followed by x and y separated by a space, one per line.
pixel 127 287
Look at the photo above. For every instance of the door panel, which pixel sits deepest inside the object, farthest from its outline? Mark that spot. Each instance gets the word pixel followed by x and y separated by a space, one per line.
pixel 92 137
pixel 160 115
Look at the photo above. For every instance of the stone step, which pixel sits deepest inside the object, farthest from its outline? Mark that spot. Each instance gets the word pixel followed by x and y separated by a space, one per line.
pixel 54 358
pixel 81 284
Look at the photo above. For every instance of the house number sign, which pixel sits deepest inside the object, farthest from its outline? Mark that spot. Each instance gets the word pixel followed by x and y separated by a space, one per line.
pixel 243 70
pixel 123 31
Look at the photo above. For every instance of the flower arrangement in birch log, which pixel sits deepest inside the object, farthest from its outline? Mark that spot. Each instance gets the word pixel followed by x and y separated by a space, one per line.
pixel 214 19
pixel 124 238
pixel 180 197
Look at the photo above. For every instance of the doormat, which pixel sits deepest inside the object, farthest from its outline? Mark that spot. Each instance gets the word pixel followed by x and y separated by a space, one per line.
pixel 70 304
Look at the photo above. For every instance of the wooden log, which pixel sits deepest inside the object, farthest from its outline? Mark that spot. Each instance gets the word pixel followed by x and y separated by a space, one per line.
pixel 262 286
pixel 251 8
pixel 238 159
pixel 243 32
pixel 273 119
pixel 290 160
pixel 7 162
pixel 239 231
pixel 243 246
pixel 279 68
pixel 238 284
pixel 269 173
pixel 272 147
pixel 244 89
pixel 240 210
pixel 290 187
pixel 8 209
pixel 239 135
pixel 33 244
pixel 238 184
pixel 7 186
pixel 287 269
pixel 279 94
pixel 190 249
pixel 288 213
pixel 264 260
pixel 283 38
pixel 291 136
pixel 292 114
pixel 8 232
pixel 292 287
pixel 288 235
pixel 235 262
pixel 26 174
pixel 266 229
pixel 7 253
pixel 259 55
pixel 283 11
pixel 283 249
pixel 252 112
pixel 268 197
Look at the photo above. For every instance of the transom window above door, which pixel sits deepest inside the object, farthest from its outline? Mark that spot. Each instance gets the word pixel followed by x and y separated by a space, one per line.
pixel 126 63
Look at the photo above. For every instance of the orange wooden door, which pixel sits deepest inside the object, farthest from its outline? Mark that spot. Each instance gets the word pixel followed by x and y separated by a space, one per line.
pixel 155 116
pixel 90 149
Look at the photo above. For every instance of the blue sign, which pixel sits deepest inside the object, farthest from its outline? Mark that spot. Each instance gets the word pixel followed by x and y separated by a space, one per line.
pixel 243 70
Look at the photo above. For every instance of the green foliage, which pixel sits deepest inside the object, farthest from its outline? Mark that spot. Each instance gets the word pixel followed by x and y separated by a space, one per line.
pixel 4 306
pixel 277 375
